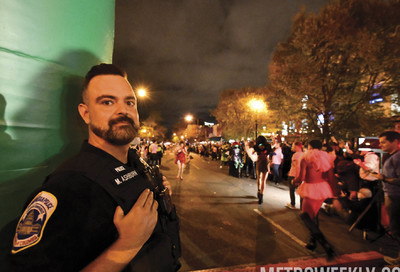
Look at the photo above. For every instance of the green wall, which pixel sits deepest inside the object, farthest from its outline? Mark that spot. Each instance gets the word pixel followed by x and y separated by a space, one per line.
pixel 46 47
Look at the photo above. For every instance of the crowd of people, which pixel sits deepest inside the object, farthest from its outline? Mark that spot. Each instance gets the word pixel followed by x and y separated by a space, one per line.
pixel 151 151
pixel 335 177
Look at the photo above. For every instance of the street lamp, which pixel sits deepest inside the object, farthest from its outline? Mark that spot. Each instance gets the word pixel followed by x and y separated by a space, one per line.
pixel 142 92
pixel 257 105
pixel 189 118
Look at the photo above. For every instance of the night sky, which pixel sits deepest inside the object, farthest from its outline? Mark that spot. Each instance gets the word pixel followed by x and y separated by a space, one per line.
pixel 187 52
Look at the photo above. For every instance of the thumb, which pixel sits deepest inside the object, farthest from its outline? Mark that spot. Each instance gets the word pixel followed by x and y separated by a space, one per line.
pixel 118 215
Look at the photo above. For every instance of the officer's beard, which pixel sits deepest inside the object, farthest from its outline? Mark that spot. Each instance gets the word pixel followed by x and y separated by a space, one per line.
pixel 117 135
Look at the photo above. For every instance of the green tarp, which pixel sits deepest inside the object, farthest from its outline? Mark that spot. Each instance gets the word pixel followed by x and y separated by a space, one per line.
pixel 46 46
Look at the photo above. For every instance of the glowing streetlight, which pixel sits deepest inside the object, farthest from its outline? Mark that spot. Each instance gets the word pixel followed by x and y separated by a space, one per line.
pixel 189 118
pixel 257 105
pixel 142 92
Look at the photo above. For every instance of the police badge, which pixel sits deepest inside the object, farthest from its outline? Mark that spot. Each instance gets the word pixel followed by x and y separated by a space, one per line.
pixel 32 222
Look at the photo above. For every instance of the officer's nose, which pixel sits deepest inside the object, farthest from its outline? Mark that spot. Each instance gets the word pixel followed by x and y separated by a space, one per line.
pixel 121 108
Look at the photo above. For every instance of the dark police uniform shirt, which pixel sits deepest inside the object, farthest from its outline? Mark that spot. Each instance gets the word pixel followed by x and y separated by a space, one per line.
pixel 69 221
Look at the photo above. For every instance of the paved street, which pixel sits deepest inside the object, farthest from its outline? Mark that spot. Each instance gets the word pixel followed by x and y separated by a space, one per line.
pixel 222 224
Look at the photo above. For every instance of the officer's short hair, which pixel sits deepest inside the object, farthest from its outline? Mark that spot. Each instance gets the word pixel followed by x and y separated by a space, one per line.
pixel 390 135
pixel 101 69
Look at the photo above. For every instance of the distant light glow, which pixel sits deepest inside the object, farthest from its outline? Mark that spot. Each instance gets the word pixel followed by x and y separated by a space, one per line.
pixel 376 98
pixel 304 100
pixel 257 105
pixel 142 92
pixel 189 118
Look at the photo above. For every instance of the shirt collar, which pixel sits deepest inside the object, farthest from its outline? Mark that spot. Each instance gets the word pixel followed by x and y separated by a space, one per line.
pixel 86 147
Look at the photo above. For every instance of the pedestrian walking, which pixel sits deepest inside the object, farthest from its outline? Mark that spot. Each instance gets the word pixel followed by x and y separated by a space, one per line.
pixel 260 154
pixel 294 172
pixel 277 160
pixel 153 153
pixel 315 171
pixel 180 159
pixel 249 163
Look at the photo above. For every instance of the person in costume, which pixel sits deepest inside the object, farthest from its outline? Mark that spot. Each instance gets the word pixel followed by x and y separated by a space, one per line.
pixel 260 154
pixel 249 163
pixel 315 172
pixel 180 159
pixel 224 154
pixel 236 164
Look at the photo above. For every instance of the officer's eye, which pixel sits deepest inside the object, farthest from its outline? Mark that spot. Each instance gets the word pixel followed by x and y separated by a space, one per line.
pixel 107 102
pixel 131 103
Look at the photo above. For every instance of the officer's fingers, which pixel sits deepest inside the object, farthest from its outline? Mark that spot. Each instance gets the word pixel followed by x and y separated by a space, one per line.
pixel 143 198
pixel 166 184
pixel 118 215
pixel 154 206
pixel 149 201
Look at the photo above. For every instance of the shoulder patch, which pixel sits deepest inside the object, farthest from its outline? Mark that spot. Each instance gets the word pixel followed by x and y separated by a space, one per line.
pixel 32 222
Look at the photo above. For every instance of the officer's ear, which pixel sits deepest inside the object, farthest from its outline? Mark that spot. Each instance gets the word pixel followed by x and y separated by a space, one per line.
pixel 84 112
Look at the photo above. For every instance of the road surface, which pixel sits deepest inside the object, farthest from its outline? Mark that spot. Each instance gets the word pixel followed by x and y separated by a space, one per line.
pixel 222 224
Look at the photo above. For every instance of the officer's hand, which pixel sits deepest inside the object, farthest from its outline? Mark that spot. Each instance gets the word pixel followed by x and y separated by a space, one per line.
pixel 167 185
pixel 136 227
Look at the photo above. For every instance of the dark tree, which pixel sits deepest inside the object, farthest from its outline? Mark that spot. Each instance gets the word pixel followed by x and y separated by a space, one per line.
pixel 335 63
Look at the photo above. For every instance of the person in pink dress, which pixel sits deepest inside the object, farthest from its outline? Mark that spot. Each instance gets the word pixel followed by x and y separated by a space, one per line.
pixel 315 173
pixel 180 159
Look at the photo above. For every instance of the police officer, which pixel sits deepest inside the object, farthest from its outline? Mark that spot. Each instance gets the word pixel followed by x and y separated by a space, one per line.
pixel 97 212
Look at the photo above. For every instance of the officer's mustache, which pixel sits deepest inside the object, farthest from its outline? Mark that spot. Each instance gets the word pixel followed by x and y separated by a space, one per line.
pixel 123 118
